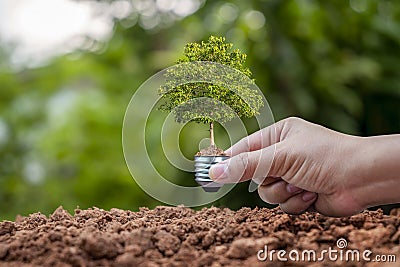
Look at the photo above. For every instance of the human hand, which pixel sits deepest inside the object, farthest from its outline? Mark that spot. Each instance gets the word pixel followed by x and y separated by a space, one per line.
pixel 300 165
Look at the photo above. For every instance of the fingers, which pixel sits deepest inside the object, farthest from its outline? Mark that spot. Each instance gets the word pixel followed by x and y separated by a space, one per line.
pixel 245 166
pixel 291 199
pixel 299 203
pixel 265 137
pixel 277 192
pixel 258 140
pixel 253 156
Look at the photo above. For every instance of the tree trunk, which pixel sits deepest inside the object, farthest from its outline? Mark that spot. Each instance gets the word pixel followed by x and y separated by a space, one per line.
pixel 212 134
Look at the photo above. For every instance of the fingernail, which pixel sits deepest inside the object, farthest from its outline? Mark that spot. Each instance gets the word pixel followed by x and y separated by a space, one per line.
pixel 307 196
pixel 217 171
pixel 292 189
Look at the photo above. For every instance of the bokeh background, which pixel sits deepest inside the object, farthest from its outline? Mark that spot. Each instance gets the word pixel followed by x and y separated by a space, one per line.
pixel 69 68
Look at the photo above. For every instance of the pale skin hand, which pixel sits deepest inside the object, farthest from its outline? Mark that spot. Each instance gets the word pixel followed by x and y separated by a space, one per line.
pixel 306 166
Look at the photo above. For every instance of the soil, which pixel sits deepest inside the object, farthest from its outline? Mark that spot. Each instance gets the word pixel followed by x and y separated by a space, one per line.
pixel 211 151
pixel 179 236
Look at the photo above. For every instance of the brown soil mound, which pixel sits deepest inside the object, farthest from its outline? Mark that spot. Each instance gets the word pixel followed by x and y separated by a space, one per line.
pixel 178 236
pixel 211 151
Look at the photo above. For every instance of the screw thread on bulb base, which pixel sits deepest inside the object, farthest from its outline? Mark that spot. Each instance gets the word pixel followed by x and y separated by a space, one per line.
pixel 202 167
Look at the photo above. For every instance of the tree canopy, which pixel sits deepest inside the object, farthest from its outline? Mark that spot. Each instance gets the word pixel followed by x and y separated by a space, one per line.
pixel 226 87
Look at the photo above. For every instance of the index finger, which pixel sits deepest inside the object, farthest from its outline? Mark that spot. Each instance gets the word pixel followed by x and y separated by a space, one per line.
pixel 263 138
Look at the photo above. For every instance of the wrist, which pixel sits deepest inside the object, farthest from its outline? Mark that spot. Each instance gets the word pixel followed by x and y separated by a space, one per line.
pixel 374 176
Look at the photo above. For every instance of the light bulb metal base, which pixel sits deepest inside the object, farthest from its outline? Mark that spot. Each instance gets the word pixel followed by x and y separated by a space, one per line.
pixel 202 166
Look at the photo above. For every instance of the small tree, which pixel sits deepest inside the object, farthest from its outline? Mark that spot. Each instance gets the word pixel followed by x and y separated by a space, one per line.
pixel 175 95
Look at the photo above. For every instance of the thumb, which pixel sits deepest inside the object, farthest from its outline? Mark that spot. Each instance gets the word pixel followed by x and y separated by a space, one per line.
pixel 245 166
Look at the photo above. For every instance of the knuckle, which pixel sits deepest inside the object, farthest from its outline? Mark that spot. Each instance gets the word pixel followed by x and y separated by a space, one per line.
pixel 243 159
pixel 291 123
pixel 292 120
pixel 246 165
pixel 279 160
pixel 245 143
pixel 238 165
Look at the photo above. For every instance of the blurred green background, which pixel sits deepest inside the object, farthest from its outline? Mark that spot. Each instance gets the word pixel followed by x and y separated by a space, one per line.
pixel 336 63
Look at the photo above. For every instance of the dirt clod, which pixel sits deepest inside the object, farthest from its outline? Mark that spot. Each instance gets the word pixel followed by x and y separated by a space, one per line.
pixel 179 236
pixel 211 151
pixel 6 227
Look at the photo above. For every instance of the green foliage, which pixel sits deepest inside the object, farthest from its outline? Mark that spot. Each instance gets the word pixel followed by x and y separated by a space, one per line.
pixel 230 88
pixel 215 50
